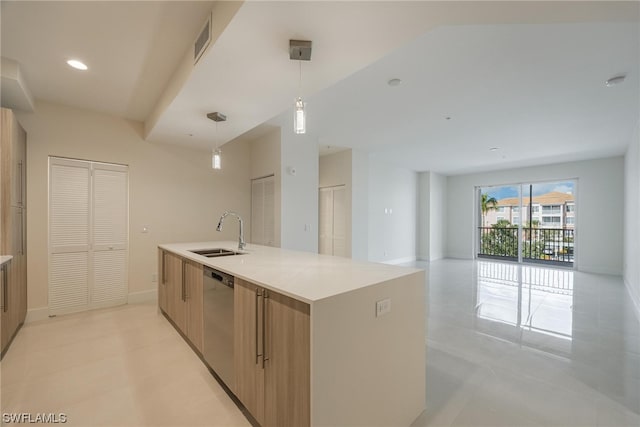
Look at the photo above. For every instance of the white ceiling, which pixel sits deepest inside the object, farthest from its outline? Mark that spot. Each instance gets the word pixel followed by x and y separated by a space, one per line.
pixel 535 91
pixel 131 48
pixel 524 76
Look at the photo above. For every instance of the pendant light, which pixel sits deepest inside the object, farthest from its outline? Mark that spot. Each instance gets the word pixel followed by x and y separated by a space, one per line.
pixel 299 50
pixel 216 157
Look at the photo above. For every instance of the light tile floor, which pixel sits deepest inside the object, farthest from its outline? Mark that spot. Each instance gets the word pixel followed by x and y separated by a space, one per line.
pixel 506 346
pixel 511 345
pixel 124 366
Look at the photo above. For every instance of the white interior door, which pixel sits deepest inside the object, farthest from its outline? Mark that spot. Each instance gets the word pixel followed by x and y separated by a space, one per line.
pixel 325 221
pixel 69 240
pixel 263 211
pixel 110 231
pixel 332 221
pixel 88 235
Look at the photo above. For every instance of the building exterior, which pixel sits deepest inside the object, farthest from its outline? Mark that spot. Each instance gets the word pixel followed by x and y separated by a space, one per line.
pixel 550 210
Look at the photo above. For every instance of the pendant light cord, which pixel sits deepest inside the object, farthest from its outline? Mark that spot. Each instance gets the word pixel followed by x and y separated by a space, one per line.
pixel 300 76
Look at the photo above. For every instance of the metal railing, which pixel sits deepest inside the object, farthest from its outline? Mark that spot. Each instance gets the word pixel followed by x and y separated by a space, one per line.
pixel 551 245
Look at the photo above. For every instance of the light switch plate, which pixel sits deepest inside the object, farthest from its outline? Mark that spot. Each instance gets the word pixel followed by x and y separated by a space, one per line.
pixel 383 307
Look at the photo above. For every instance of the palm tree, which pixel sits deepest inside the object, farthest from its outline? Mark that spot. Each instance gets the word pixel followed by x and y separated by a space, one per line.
pixel 487 203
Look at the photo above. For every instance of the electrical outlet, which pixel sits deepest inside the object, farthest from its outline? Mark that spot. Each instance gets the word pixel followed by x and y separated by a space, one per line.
pixel 383 307
pixel 154 278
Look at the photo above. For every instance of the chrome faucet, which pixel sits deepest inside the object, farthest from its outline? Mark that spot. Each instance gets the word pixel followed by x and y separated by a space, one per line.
pixel 241 243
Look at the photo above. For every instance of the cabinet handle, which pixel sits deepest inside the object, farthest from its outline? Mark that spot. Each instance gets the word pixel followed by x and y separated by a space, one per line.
pixel 5 290
pixel 21 231
pixel 4 281
pixel 184 291
pixel 20 183
pixel 258 295
pixel 265 296
pixel 164 265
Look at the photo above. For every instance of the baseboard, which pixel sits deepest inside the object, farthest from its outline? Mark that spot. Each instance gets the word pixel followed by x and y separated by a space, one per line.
pixel 42 313
pixel 400 260
pixel 143 296
pixel 635 299
pixel 458 256
pixel 600 270
pixel 37 314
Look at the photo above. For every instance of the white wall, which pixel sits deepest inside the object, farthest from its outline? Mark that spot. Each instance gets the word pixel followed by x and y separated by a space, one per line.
pixel 423 222
pixel 172 189
pixel 359 205
pixel 598 215
pixel 335 169
pixel 392 235
pixel 632 219
pixel 299 191
pixel 432 218
pixel 437 216
pixel 266 160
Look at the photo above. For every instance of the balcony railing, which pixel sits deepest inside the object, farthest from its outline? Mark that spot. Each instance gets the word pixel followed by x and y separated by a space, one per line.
pixel 548 245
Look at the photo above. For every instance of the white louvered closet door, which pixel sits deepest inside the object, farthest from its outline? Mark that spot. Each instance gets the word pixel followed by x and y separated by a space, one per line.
pixel 110 231
pixel 69 201
pixel 88 235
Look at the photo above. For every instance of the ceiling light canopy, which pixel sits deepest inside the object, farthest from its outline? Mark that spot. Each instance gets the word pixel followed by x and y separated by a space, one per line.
pixel 78 65
pixel 394 82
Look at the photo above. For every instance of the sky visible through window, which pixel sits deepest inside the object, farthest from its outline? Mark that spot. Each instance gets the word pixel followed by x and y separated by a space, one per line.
pixel 538 189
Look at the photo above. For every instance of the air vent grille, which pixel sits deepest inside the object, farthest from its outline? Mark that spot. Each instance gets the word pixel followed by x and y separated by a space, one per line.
pixel 202 42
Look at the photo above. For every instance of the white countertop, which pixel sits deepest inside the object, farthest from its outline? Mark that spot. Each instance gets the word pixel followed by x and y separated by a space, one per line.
pixel 5 258
pixel 305 276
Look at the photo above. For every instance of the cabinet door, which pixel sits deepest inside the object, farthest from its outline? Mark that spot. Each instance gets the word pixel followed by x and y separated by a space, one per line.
pixel 5 331
pixel 287 362
pixel 176 300
pixel 17 281
pixel 193 284
pixel 247 347
pixel 162 280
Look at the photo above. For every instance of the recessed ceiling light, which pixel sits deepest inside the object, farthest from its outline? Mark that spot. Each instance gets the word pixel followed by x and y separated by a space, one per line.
pixel 78 65
pixel 494 148
pixel 394 82
pixel 615 80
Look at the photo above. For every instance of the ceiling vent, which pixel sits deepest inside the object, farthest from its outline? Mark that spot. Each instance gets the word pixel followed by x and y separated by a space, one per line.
pixel 202 41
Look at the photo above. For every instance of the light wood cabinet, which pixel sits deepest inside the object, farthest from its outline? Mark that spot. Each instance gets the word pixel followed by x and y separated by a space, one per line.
pixel 180 294
pixel 272 355
pixel 162 282
pixel 13 213
pixel 193 277
pixel 6 324
pixel 176 308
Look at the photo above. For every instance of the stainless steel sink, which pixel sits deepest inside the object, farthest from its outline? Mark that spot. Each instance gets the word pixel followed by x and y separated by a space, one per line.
pixel 216 252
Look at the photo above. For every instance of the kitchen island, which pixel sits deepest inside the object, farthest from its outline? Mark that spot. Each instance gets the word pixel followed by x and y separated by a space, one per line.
pixel 325 341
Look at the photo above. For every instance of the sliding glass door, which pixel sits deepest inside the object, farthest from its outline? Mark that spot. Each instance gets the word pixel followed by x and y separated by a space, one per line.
pixel 529 222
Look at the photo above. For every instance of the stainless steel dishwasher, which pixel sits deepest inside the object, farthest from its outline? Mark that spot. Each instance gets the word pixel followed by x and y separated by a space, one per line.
pixel 218 323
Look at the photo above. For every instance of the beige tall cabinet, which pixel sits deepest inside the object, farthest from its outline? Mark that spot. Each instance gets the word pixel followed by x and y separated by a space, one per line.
pixel 13 214
pixel 272 355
